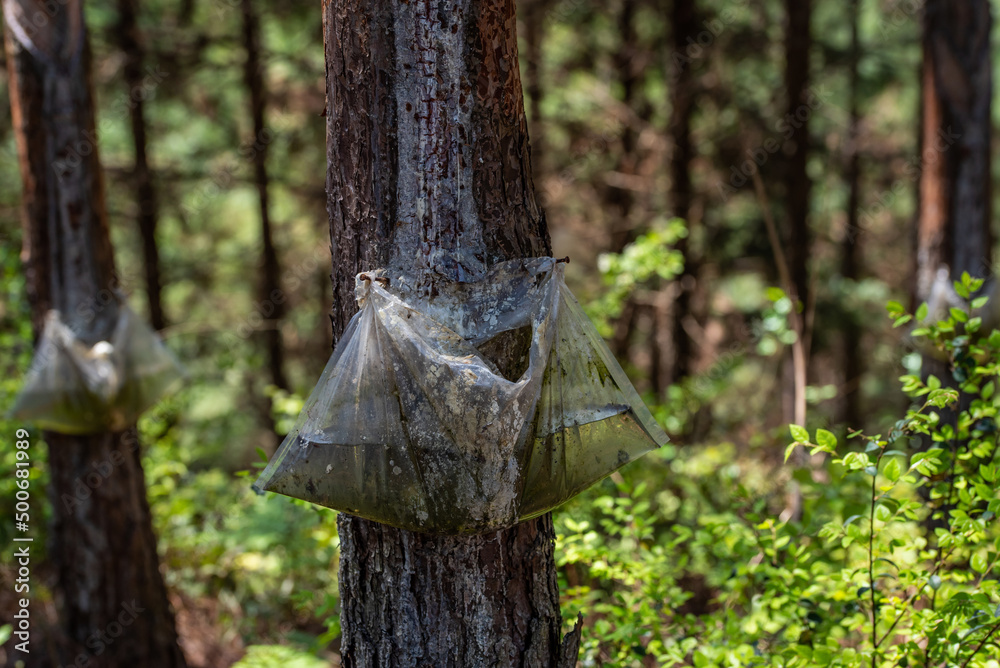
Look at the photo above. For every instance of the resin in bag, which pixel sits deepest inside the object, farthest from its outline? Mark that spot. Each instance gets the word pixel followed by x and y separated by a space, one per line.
pixel 75 388
pixel 412 424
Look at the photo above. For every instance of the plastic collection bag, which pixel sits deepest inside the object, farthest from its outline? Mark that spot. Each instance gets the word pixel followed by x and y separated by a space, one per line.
pixel 73 388
pixel 412 425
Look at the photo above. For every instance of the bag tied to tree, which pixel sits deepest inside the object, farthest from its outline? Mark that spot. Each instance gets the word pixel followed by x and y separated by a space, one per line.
pixel 422 421
pixel 76 388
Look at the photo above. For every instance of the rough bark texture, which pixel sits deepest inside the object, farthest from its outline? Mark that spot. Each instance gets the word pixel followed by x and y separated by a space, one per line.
pixel 271 296
pixel 954 223
pixel 798 42
pixel 429 174
pixel 112 600
pixel 684 27
pixel 130 43
pixel 850 255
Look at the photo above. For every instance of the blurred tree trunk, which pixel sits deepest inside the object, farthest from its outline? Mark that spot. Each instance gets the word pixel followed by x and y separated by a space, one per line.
pixel 130 43
pixel 798 43
pixel 684 27
pixel 429 175
pixel 272 298
pixel 102 544
pixel 953 228
pixel 620 198
pixel 850 251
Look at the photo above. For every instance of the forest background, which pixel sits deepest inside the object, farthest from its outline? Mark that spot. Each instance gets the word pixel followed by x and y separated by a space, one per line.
pixel 651 123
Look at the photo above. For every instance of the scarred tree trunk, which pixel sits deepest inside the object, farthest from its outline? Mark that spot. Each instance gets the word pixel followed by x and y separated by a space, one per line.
pixel 272 298
pixel 130 43
pixel 112 601
pixel 954 223
pixel 429 175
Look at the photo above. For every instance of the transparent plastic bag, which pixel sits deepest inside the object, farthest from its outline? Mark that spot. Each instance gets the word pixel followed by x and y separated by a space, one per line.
pixel 75 388
pixel 411 425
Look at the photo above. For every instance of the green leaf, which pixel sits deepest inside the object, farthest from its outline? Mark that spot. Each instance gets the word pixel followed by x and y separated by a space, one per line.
pixel 800 434
pixel 979 562
pixel 959 315
pixel 826 440
pixel 882 513
pixel 790 449
pixel 979 302
pixel 893 470
pixel 987 391
pixel 922 312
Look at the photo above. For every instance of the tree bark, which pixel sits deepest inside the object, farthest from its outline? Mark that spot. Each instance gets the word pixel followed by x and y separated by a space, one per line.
pixel 621 199
pixel 112 599
pixel 798 42
pixel 953 228
pixel 684 27
pixel 130 43
pixel 429 175
pixel 272 298
pixel 850 251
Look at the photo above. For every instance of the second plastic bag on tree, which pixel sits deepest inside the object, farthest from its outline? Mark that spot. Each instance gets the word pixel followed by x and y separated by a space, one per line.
pixel 411 424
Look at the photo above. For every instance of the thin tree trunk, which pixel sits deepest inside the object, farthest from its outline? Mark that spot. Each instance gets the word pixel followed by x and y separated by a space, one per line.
pixel 429 175
pixel 798 43
pixel 621 199
pixel 682 92
pixel 850 251
pixel 130 43
pixel 102 542
pixel 272 299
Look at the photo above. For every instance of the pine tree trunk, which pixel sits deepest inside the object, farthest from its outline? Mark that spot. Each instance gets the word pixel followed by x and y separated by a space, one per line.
pixel 953 228
pixel 272 298
pixel 130 43
pixel 798 44
pixel 850 253
pixel 954 223
pixel 429 175
pixel 684 30
pixel 111 597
